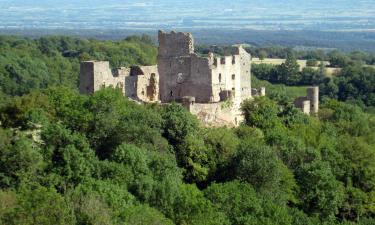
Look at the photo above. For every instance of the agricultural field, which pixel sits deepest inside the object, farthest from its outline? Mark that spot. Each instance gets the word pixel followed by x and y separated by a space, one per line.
pixel 302 64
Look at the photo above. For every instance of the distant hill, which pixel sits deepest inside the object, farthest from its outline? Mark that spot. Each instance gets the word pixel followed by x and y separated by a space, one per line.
pixel 303 39
pixel 335 15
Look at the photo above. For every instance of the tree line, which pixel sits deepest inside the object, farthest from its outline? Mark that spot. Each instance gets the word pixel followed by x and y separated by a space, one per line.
pixel 354 83
pixel 67 158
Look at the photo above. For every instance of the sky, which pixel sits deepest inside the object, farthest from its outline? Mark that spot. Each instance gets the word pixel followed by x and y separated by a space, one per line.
pixel 336 15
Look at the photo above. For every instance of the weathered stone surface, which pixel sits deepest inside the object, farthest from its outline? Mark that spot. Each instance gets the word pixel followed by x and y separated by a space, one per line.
pixel 210 87
pixel 137 82
pixel 310 103
pixel 184 73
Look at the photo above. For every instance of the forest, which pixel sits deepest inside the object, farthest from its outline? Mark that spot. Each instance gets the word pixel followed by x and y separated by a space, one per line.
pixel 67 158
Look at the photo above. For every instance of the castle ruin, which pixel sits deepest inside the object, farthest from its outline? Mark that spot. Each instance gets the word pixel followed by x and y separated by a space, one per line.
pixel 309 104
pixel 210 87
pixel 140 83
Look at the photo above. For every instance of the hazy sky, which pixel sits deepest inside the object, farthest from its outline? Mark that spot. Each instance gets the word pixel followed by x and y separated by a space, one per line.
pixel 151 14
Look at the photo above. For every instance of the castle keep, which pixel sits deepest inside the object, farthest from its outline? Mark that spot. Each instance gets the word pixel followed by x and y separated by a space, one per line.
pixel 210 87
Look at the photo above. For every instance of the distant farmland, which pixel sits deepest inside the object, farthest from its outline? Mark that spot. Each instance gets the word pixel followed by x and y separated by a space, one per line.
pixel 302 64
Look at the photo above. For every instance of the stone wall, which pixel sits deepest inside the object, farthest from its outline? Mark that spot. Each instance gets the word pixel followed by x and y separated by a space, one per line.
pixel 215 114
pixel 309 104
pixel 184 73
pixel 258 92
pixel 138 82
pixel 97 74
pixel 210 87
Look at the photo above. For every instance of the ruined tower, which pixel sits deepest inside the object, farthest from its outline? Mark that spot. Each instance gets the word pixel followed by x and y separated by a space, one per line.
pixel 313 96
pixel 184 73
pixel 309 104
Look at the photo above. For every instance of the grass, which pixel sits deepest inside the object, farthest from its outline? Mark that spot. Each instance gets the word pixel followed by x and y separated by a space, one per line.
pixel 291 92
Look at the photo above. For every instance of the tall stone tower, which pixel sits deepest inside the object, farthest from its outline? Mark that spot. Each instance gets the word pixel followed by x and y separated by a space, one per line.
pixel 181 72
pixel 313 96
pixel 184 73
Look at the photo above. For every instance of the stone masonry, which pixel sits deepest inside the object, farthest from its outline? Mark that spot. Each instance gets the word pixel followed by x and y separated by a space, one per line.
pixel 310 103
pixel 210 87
pixel 140 83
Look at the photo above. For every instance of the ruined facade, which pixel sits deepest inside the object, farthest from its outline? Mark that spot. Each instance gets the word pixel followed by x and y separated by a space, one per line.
pixel 210 87
pixel 140 83
pixel 309 104
pixel 185 73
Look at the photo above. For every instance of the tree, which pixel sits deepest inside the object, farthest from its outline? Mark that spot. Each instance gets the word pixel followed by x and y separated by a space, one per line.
pixel 145 215
pixel 261 112
pixel 21 160
pixel 262 54
pixel 260 166
pixel 289 71
pixel 222 145
pixel 191 207
pixel 321 194
pixel 242 205
pixel 311 62
pixel 40 206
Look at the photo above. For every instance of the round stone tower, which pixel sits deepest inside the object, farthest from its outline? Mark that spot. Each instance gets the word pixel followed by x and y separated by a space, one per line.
pixel 313 96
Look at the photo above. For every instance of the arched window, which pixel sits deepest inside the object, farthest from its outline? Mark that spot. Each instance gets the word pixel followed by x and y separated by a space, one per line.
pixel 233 76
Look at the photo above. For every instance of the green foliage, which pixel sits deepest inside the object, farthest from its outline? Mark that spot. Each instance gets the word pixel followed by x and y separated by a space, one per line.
pixel 354 82
pixel 66 158
pixel 262 113
pixel 320 191
pixel 261 167
pixel 21 161
pixel 39 206
pixel 243 205
pixel 27 64
pixel 144 215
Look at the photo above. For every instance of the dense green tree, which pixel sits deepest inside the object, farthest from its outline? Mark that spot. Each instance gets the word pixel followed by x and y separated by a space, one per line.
pixel 21 160
pixel 243 205
pixel 289 71
pixel 261 113
pixel 39 206
pixel 321 193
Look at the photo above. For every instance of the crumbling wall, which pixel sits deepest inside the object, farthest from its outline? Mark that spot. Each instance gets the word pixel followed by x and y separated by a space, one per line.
pixel 138 82
pixel 258 92
pixel 309 104
pixel 216 114
pixel 184 73
pixel 97 74
pixel 245 68
pixel 147 84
